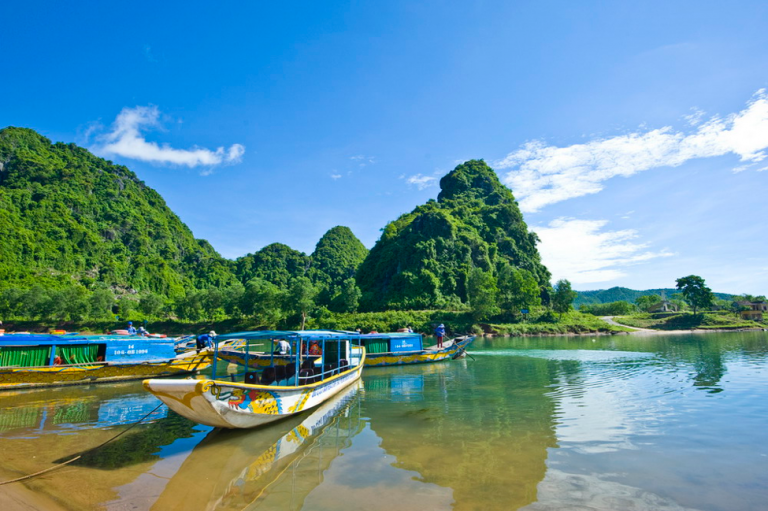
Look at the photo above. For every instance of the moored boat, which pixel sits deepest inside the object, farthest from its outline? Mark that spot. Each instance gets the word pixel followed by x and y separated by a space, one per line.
pixel 392 349
pixel 293 382
pixel 382 349
pixel 49 360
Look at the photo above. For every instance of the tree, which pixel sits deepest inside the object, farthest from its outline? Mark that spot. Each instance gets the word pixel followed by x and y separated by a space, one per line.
pixel 11 302
pixel 301 298
pixel 482 293
pixel 212 301
pixel 35 302
pixel 101 302
pixel 189 307
pixel 233 297
pixel 645 302
pixel 518 289
pixel 263 300
pixel 151 305
pixel 563 297
pixel 348 298
pixel 618 308
pixel 695 292
pixel 125 306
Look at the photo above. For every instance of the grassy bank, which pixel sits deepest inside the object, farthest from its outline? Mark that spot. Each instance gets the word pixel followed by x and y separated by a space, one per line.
pixel 571 323
pixel 720 320
pixel 457 323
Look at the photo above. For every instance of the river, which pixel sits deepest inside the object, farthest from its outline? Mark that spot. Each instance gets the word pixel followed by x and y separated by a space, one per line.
pixel 658 422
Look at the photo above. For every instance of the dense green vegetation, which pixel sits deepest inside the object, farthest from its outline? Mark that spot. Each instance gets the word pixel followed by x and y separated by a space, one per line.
pixel 619 308
pixel 425 258
pixel 68 218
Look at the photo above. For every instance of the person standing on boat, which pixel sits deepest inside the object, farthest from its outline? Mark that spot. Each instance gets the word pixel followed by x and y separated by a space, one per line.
pixel 131 329
pixel 205 341
pixel 440 333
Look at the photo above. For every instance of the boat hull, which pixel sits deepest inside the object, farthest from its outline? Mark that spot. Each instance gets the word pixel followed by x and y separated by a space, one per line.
pixel 32 377
pixel 239 405
pixel 419 357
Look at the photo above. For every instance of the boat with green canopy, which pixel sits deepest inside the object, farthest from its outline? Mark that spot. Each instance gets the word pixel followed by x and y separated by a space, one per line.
pixel 296 379
pixel 35 360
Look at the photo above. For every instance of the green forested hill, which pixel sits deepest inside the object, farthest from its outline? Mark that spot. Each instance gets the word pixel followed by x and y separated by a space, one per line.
pixel 275 263
pixel 67 216
pixel 337 256
pixel 616 294
pixel 424 258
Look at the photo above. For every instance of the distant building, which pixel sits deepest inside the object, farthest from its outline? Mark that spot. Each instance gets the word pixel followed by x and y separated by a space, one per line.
pixel 663 306
pixel 753 310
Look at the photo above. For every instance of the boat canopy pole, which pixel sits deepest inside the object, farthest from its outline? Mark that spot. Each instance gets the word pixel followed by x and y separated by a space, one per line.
pixel 322 360
pixel 215 356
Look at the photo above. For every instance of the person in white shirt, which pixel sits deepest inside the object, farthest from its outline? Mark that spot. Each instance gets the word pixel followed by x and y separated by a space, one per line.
pixel 283 347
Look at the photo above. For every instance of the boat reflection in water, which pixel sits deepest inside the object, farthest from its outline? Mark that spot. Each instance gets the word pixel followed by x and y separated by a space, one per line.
pixel 274 467
pixel 49 411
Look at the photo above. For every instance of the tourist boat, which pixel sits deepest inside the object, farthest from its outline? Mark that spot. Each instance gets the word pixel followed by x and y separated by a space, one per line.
pixel 289 385
pixel 49 360
pixel 393 349
pixel 382 349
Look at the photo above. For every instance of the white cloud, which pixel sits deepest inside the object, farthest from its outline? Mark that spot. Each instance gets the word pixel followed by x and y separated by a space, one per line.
pixel 544 175
pixel 127 140
pixel 580 251
pixel 695 117
pixel 335 176
pixel 421 182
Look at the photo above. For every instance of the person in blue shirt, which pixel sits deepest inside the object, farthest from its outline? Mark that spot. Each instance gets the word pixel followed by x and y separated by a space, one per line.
pixel 205 341
pixel 440 333
pixel 131 330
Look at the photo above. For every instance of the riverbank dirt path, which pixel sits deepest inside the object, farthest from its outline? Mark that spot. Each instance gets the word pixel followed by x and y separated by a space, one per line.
pixel 610 321
pixel 649 331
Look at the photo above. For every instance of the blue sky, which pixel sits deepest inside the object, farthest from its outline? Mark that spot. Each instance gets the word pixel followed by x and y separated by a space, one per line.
pixel 634 135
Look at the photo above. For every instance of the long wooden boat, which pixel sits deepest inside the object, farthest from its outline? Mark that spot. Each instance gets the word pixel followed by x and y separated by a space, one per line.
pixel 289 385
pixel 382 349
pixel 393 349
pixel 28 361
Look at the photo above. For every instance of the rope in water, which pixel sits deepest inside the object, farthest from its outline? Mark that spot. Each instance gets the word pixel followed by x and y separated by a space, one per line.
pixel 30 476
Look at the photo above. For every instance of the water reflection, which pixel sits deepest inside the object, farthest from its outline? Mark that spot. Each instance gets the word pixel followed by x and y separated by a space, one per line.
pixel 481 430
pixel 273 468
pixel 46 411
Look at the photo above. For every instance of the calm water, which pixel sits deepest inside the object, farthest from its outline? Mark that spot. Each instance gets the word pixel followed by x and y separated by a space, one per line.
pixel 625 422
